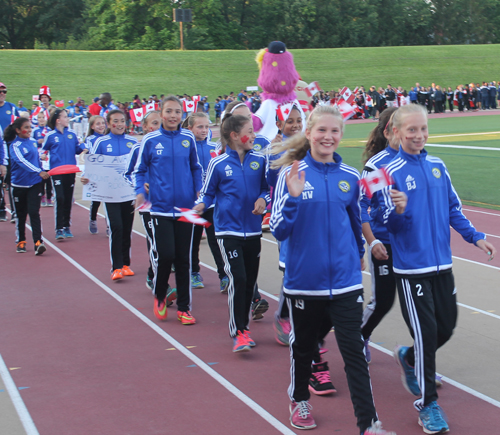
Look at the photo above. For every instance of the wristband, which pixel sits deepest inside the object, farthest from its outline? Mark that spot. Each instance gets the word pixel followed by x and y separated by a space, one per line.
pixel 375 242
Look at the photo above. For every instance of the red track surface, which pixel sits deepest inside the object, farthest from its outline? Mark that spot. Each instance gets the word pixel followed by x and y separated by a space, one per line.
pixel 93 367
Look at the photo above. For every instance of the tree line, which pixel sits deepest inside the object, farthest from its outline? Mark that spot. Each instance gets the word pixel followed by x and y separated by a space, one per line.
pixel 245 24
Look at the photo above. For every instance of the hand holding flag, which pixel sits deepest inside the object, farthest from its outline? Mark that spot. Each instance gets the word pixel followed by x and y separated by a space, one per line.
pixel 283 111
pixel 192 216
pixel 375 181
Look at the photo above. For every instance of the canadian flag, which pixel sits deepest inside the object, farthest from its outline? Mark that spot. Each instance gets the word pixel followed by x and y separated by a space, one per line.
pixel 347 95
pixel 188 215
pixel 150 106
pixel 311 89
pixel 346 109
pixel 59 103
pixel 283 111
pixel 136 115
pixel 375 181
pixel 305 106
pixel 189 106
pixel 196 98
pixel 455 98
pixel 403 101
pixel 369 101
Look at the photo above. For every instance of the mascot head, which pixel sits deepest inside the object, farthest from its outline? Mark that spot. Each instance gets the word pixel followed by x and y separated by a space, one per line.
pixel 278 76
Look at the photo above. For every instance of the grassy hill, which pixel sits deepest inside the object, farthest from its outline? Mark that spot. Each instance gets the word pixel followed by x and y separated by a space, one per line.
pixel 124 73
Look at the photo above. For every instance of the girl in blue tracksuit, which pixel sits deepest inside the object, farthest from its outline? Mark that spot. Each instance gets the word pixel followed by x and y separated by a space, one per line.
pixel 420 207
pixel 198 123
pixel 120 215
pixel 236 182
pixel 379 151
pixel 26 182
pixel 97 128
pixel 316 209
pixel 168 156
pixel 62 145
pixel 39 134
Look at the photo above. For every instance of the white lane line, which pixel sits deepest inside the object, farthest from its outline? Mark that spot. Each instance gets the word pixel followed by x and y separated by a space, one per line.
pixel 456 384
pixel 464 134
pixel 462 147
pixel 273 421
pixel 22 411
pixel 482 212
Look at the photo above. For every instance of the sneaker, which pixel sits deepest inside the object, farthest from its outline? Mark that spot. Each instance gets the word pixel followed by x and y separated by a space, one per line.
pixel 407 371
pixel 108 232
pixel 259 308
pixel 160 309
pixel 39 248
pixel 149 283
pixel 439 380
pixel 116 274
pixel 43 202
pixel 21 247
pixel 282 330
pixel 265 221
pixel 250 341
pixel 432 419
pixel 67 233
pixel 93 227
pixel 3 214
pixel 368 354
pixel 171 295
pixel 376 429
pixel 50 202
pixel 127 271
pixel 13 218
pixel 320 382
pixel 60 235
pixel 196 280
pixel 240 343
pixel 300 415
pixel 185 317
pixel 224 284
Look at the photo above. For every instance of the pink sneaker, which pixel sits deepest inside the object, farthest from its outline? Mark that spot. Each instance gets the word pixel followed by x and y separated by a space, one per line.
pixel 300 415
pixel 282 329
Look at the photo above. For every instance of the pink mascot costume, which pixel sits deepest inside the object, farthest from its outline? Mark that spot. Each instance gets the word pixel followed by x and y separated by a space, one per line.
pixel 277 78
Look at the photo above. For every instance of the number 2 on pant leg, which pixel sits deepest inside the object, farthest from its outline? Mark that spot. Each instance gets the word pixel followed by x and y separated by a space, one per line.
pixel 419 290
pixel 233 254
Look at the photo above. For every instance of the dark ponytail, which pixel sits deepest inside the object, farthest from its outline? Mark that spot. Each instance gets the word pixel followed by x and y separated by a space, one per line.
pixel 53 118
pixel 377 141
pixel 10 132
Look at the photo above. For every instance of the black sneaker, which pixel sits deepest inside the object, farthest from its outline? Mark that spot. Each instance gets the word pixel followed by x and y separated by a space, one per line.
pixel 259 308
pixel 320 382
pixel 21 247
pixel 39 248
pixel 13 218
pixel 3 215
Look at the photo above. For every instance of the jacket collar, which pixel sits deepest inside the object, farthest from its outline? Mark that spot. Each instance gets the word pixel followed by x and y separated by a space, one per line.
pixel 323 167
pixel 169 132
pixel 412 158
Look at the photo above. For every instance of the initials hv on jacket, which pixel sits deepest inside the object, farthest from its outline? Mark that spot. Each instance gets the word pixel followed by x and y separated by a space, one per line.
pixel 113 145
pixel 323 229
pixel 25 163
pixel 421 235
pixel 62 147
pixel 171 161
pixel 235 186
pixel 376 204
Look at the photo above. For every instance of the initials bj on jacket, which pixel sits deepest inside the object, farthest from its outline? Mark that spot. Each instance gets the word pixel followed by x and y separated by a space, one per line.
pixel 235 186
pixel 420 236
pixel 322 227
pixel 170 160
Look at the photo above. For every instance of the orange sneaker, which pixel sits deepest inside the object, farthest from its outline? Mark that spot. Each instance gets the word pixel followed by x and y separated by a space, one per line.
pixel 117 274
pixel 185 317
pixel 160 309
pixel 127 271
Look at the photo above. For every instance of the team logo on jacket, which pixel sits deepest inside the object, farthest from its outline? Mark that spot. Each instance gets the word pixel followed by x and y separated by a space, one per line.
pixel 308 191
pixel 344 186
pixel 185 143
pixel 109 148
pixel 436 172
pixel 159 148
pixel 70 136
pixel 130 144
pixel 257 147
pixel 254 165
pixel 8 112
pixel 25 151
pixel 56 139
pixel 410 183
pixel 229 171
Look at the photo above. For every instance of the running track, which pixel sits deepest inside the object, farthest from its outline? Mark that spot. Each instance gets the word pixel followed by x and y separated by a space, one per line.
pixel 92 359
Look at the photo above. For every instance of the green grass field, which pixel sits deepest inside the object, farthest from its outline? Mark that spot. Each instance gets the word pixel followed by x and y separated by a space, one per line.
pixel 474 172
pixel 72 74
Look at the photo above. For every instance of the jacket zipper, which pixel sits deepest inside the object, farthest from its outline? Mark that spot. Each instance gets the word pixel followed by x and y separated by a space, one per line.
pixel 246 195
pixel 329 231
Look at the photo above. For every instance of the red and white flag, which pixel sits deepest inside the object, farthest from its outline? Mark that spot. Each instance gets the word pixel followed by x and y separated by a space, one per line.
pixel 346 109
pixel 196 98
pixel 188 215
pixel 455 98
pixel 150 106
pixel 136 115
pixel 283 111
pixel 347 95
pixel 189 106
pixel 35 97
pixel 311 89
pixel 305 106
pixel 369 101
pixel 375 181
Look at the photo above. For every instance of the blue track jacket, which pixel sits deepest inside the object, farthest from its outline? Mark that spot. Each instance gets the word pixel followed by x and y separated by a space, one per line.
pixel 62 147
pixel 25 163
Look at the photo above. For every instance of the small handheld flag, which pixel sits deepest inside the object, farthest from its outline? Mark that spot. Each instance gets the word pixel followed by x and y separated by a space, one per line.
pixel 283 111
pixel 189 106
pixel 188 215
pixel 311 89
pixel 375 181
